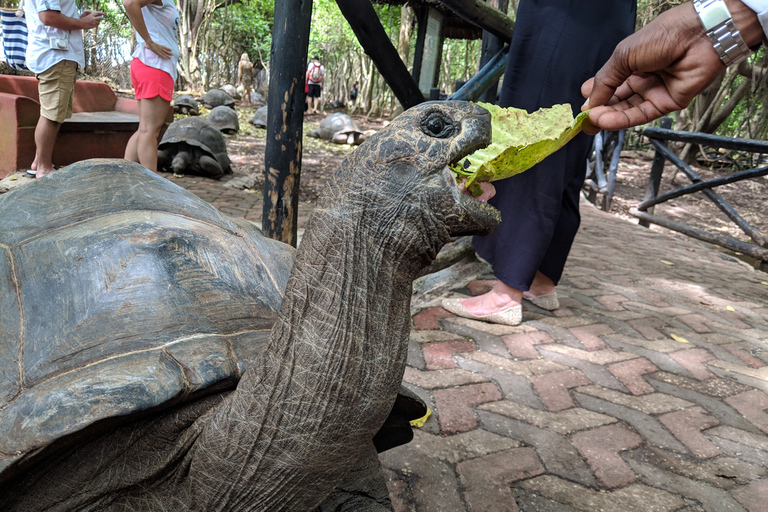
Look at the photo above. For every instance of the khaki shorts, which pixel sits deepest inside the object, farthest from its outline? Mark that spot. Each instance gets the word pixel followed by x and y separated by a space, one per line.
pixel 56 88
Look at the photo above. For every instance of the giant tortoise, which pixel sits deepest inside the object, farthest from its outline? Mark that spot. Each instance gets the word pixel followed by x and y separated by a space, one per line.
pixel 186 105
pixel 216 97
pixel 193 145
pixel 338 128
pixel 224 119
pixel 136 374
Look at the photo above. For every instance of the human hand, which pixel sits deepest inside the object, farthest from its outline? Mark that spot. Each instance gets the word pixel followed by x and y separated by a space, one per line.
pixel 162 51
pixel 91 19
pixel 653 72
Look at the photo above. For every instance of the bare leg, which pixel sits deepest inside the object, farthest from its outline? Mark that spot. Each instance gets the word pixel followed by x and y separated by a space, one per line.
pixel 46 132
pixel 542 285
pixel 152 114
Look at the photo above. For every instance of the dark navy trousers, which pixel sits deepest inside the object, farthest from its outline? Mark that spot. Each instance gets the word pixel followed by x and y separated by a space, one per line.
pixel 556 46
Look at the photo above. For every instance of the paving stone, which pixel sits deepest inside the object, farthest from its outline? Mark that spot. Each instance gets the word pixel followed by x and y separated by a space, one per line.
pixel 601 448
pixel 555 451
pixel 415 357
pixel 752 405
pixel 522 345
pixel 695 321
pixel 486 479
pixel 654 403
pixel 648 426
pixel 585 499
pixel 742 351
pixel 432 336
pixel 753 496
pixel 752 377
pixel 531 367
pixel 720 388
pixel 726 414
pixel 721 472
pixel 454 406
pixel 596 373
pixel 462 446
pixel 513 386
pixel 711 498
pixel 553 388
pixel 568 321
pixel 687 425
pixel 441 378
pixel 630 374
pixel 600 357
pixel 439 355
pixel 429 318
pixel 428 484
pixel 562 422
pixel 487 342
pixel 589 336
pixel 481 286
pixel 612 302
pixel 647 327
pixel 693 360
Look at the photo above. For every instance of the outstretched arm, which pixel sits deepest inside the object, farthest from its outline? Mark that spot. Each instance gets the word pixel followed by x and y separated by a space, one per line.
pixel 660 68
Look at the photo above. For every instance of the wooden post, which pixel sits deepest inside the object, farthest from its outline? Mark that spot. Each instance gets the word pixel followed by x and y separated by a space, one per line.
pixel 491 46
pixel 482 15
pixel 374 40
pixel 282 157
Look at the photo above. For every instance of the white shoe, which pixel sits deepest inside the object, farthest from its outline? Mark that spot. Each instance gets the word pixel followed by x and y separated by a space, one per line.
pixel 547 301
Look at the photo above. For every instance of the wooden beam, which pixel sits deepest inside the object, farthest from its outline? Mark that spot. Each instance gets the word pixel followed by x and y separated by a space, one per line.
pixel 483 15
pixel 282 157
pixel 374 40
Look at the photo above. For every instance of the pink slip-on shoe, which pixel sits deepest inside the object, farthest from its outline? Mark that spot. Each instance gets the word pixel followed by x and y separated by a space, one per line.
pixel 547 301
pixel 512 315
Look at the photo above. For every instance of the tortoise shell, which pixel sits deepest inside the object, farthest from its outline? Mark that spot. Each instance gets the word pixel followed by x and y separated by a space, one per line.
pixel 225 119
pixel 200 133
pixel 216 97
pixel 231 90
pixel 112 246
pixel 338 128
pixel 259 119
pixel 186 104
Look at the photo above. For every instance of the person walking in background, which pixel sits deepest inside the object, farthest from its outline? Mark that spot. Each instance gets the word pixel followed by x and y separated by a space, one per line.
pixel 54 52
pixel 315 79
pixel 153 73
pixel 353 95
pixel 556 46
pixel 245 78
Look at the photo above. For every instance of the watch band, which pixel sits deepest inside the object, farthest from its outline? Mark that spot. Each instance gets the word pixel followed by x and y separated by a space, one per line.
pixel 725 37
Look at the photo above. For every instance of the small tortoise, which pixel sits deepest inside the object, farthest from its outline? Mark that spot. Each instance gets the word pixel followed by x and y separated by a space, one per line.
pixel 186 105
pixel 259 119
pixel 338 128
pixel 193 145
pixel 231 90
pixel 225 119
pixel 130 271
pixel 216 97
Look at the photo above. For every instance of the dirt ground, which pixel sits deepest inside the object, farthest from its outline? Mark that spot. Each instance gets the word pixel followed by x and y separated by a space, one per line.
pixel 747 197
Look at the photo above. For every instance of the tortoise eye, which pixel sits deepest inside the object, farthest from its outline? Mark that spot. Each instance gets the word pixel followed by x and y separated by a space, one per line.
pixel 437 125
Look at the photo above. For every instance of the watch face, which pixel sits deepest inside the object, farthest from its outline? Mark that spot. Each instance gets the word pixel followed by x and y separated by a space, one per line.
pixel 713 14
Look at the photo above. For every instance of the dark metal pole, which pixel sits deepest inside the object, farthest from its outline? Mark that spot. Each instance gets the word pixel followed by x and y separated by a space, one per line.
pixel 654 180
pixel 484 78
pixel 282 157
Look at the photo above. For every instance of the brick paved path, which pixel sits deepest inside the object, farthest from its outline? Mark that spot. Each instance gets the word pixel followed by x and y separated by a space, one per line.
pixel 646 391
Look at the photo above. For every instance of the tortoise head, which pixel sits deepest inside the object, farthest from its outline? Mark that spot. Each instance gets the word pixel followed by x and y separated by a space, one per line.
pixel 401 174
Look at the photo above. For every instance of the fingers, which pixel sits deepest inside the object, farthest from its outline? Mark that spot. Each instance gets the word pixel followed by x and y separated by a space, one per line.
pixel 625 114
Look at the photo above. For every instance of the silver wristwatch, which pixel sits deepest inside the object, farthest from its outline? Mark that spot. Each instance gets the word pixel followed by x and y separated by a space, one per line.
pixel 725 37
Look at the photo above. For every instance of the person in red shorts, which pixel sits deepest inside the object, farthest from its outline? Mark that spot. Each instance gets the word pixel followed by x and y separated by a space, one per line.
pixel 153 73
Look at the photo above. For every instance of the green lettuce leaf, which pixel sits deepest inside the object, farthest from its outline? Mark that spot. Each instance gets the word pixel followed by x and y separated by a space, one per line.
pixel 520 141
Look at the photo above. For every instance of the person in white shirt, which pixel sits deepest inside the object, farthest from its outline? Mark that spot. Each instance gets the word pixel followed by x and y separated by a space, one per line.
pixel 54 52
pixel 153 73
pixel 315 79
pixel 662 67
